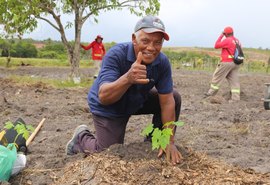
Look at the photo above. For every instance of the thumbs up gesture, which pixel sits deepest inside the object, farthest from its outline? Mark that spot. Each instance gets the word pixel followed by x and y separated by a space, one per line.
pixel 137 74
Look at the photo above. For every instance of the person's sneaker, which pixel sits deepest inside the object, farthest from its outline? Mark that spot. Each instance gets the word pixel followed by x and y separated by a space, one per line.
pixel 73 141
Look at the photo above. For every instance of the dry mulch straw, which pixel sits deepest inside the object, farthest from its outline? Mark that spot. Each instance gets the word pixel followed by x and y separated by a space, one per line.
pixel 116 167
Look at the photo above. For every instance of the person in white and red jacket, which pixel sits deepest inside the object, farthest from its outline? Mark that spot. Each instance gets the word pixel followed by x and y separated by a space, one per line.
pixel 98 51
pixel 226 68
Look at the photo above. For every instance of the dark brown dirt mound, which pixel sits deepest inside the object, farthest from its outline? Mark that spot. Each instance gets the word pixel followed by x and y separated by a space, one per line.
pixel 135 164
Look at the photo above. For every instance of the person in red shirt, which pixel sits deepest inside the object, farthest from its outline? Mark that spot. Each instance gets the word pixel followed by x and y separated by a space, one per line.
pixel 226 68
pixel 98 51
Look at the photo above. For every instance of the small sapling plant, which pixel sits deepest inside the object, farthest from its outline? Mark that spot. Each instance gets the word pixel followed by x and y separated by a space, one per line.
pixel 161 138
pixel 21 129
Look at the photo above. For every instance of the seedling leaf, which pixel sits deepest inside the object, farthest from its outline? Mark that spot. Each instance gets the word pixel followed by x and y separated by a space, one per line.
pixel 155 145
pixel 20 128
pixel 156 138
pixel 148 130
pixel 25 135
pixel 164 141
pixel 9 125
pixel 167 131
pixel 179 123
pixel 30 128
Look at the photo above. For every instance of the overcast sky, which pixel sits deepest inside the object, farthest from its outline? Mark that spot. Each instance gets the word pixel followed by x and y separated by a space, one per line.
pixel 188 22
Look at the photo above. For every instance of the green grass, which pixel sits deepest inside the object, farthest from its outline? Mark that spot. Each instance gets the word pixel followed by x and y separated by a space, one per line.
pixel 260 51
pixel 36 62
pixel 56 83
pixel 40 62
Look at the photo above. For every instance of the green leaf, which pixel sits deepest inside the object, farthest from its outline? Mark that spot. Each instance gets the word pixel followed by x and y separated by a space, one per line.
pixel 20 128
pixel 147 130
pixel 156 138
pixel 164 141
pixel 167 132
pixel 165 137
pixel 30 128
pixel 9 125
pixel 179 123
pixel 157 133
pixel 25 135
pixel 155 145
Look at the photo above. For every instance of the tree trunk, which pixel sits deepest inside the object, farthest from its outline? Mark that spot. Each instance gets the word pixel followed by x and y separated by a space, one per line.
pixel 74 60
pixel 73 53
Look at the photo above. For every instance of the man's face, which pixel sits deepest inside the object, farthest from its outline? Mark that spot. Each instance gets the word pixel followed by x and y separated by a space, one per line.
pixel 149 44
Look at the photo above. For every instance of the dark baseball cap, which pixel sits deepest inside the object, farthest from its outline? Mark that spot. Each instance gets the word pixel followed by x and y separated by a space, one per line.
pixel 151 24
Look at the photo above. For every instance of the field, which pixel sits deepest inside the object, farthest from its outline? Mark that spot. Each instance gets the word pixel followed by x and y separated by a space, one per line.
pixel 222 142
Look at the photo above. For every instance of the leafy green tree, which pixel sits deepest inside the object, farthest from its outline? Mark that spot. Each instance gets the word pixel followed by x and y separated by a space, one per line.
pixel 20 48
pixel 24 49
pixel 21 16
pixel 53 50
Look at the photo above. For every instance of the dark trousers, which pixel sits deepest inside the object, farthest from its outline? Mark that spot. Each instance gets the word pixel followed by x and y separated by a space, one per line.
pixel 110 131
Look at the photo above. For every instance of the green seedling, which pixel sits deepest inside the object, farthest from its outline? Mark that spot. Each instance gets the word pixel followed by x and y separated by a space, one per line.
pixel 21 129
pixel 161 138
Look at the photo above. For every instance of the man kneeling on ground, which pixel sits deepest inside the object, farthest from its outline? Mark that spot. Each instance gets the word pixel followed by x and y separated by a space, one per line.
pixel 135 78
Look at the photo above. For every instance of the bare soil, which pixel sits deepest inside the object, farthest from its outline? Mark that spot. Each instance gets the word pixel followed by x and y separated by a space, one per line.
pixel 222 142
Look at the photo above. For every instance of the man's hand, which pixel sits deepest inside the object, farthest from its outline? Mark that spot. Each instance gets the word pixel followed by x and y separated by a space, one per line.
pixel 172 154
pixel 137 73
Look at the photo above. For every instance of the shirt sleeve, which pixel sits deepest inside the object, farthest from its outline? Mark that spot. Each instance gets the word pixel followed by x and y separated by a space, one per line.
pixel 110 70
pixel 221 43
pixel 165 82
pixel 89 46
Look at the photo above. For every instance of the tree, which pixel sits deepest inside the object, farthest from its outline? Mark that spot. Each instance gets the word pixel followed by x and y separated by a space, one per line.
pixel 23 49
pixel 21 16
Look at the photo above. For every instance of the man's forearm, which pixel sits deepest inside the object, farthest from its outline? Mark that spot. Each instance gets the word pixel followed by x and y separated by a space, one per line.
pixel 168 115
pixel 112 92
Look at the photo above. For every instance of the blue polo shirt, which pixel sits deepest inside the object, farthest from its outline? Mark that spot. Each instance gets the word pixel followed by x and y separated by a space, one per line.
pixel 117 62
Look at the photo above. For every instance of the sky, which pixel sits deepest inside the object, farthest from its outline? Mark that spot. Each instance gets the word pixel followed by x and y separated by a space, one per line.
pixel 190 23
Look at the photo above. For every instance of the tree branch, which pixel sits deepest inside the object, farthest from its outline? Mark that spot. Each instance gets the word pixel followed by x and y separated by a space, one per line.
pixel 122 5
pixel 48 21
pixel 60 27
